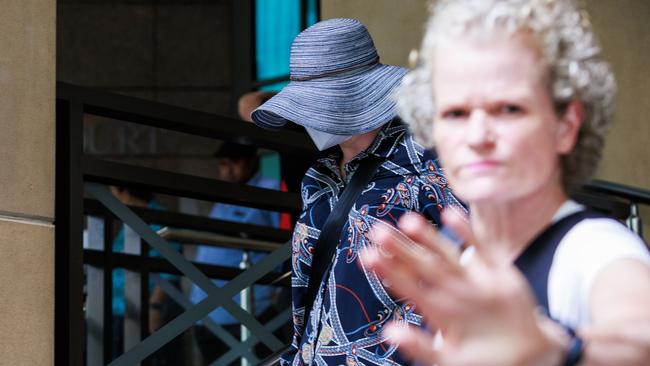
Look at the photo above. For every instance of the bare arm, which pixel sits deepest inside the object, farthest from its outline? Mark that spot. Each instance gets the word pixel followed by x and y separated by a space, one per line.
pixel 620 303
pixel 158 297
pixel 250 101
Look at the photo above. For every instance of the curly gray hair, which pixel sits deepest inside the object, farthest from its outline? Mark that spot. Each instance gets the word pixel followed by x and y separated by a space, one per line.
pixel 575 68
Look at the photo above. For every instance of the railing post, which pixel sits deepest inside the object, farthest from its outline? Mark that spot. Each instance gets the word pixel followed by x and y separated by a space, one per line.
pixel 246 300
pixel 95 295
pixel 633 221
pixel 132 303
pixel 108 290
pixel 69 276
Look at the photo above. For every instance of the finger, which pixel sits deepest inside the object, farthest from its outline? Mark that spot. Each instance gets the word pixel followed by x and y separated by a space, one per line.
pixel 387 240
pixel 436 304
pixel 422 265
pixel 417 345
pixel 411 251
pixel 395 276
pixel 419 230
pixel 459 225
pixel 461 228
pixel 382 233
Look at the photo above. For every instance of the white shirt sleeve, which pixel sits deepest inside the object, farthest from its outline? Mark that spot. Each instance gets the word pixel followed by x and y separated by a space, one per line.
pixel 589 247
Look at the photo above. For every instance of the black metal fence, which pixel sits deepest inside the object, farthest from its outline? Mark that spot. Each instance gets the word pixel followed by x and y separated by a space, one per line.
pixel 84 202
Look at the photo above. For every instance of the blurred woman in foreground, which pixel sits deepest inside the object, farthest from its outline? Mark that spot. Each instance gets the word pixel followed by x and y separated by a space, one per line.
pixel 516 98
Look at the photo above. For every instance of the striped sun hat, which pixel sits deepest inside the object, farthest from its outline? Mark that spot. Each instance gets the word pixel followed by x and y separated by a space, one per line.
pixel 337 84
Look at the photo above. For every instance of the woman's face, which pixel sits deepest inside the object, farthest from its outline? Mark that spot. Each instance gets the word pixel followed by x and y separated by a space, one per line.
pixel 495 128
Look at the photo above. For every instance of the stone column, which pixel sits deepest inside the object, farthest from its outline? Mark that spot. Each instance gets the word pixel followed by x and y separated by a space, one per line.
pixel 27 93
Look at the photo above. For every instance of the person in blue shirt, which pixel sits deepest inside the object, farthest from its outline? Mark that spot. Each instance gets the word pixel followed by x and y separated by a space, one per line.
pixel 236 164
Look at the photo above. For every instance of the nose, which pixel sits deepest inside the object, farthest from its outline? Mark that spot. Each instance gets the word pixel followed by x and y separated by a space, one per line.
pixel 480 135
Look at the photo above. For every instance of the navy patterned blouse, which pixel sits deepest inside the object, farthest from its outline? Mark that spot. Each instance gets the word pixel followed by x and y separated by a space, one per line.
pixel 352 306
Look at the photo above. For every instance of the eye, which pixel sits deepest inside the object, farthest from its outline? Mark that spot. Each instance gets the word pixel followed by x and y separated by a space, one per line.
pixel 455 113
pixel 510 109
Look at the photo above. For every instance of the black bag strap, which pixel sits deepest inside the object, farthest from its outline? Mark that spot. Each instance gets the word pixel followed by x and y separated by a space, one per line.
pixel 536 260
pixel 330 233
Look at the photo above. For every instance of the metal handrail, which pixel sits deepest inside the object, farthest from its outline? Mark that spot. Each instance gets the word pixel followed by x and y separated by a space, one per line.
pixel 200 237
pixel 139 263
pixel 619 200
pixel 607 204
pixel 195 222
pixel 166 116
pixel 633 194
pixel 161 181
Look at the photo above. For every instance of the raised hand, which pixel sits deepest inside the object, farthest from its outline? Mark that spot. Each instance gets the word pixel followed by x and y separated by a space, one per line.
pixel 483 309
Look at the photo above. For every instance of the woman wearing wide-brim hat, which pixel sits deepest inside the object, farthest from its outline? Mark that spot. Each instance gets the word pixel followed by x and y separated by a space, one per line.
pixel 342 95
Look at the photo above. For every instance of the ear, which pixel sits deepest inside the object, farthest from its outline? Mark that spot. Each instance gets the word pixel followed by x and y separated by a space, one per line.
pixel 569 127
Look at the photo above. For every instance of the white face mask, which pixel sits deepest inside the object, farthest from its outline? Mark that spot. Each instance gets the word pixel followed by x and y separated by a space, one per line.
pixel 324 140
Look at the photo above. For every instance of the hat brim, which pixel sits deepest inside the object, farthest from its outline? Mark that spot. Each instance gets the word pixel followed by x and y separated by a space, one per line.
pixel 348 104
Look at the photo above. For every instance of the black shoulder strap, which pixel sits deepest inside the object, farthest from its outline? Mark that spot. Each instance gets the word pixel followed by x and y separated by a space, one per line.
pixel 331 231
pixel 535 262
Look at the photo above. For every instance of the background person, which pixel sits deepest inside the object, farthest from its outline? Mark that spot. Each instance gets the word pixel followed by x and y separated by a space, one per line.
pixel 341 94
pixel 236 164
pixel 292 168
pixel 516 98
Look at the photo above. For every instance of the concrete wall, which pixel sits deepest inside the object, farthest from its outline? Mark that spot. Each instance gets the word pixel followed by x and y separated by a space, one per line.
pixel 396 26
pixel 170 51
pixel 27 40
pixel 624 30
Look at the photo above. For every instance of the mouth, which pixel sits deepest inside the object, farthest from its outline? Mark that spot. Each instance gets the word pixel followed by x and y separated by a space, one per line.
pixel 482 166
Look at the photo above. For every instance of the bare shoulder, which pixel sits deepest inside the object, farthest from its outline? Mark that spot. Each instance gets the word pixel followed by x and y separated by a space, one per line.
pixel 621 291
pixel 611 268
